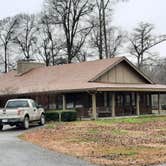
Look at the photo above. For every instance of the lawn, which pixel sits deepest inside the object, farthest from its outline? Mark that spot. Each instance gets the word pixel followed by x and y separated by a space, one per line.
pixel 128 141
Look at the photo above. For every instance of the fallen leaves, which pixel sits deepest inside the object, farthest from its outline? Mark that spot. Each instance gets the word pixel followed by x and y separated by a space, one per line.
pixel 117 144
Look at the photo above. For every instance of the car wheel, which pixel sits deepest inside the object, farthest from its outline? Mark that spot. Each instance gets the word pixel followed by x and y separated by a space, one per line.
pixel 42 119
pixel 26 123
pixel 1 127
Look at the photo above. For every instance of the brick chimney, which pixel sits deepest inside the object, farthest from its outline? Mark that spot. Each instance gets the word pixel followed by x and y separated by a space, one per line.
pixel 24 66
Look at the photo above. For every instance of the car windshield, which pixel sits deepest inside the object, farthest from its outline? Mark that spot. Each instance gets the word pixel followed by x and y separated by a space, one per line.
pixel 17 104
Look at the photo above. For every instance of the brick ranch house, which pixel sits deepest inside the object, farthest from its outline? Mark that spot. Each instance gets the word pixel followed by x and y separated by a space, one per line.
pixel 101 88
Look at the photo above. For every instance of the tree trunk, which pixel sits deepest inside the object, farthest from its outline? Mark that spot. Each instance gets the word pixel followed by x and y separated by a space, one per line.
pixel 69 51
pixel 138 62
pixel 6 64
pixel 100 36
pixel 104 29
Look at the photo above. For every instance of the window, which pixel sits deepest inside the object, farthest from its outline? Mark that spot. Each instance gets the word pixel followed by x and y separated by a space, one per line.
pixel 34 104
pixel 133 99
pixel 17 104
pixel 127 100
pixel 52 102
pixel 70 105
pixel 148 100
pixel 119 100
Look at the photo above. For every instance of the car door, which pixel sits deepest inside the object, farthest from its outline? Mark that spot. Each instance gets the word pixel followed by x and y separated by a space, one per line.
pixel 36 111
pixel 33 110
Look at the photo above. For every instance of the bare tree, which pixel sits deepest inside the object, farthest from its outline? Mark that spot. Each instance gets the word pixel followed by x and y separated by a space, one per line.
pixel 96 39
pixel 115 40
pixel 101 32
pixel 156 70
pixel 49 46
pixel 141 42
pixel 102 7
pixel 26 37
pixel 72 15
pixel 7 32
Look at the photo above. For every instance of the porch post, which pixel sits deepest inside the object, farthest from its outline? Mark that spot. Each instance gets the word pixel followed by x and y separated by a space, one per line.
pixel 159 103
pixel 64 102
pixel 150 100
pixel 105 99
pixel 137 104
pixel 94 112
pixel 113 104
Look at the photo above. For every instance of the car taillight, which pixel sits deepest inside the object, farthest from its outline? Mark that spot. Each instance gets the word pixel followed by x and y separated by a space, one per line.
pixel 19 112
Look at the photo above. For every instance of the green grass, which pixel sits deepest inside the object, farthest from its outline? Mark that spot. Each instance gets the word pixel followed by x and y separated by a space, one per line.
pixel 126 151
pixel 139 120
pixel 93 131
pixel 118 132
pixel 122 151
pixel 50 125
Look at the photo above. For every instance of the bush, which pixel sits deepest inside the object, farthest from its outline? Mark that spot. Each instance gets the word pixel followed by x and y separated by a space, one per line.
pixel 52 116
pixel 65 116
pixel 163 107
pixel 68 116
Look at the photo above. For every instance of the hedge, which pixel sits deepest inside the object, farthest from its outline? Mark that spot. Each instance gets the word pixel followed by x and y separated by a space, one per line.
pixel 65 116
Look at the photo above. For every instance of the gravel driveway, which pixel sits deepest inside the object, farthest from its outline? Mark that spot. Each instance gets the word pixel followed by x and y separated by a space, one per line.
pixel 14 151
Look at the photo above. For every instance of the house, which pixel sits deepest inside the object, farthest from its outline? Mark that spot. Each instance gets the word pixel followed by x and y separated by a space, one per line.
pixel 101 88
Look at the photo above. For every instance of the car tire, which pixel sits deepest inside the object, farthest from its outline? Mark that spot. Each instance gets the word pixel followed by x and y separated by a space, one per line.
pixel 26 123
pixel 1 127
pixel 42 120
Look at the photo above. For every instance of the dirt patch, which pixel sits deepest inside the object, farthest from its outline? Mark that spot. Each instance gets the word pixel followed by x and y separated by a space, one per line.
pixel 119 143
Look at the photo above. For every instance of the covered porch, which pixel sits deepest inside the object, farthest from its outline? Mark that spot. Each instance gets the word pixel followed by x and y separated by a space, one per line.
pixel 111 104
pixel 97 104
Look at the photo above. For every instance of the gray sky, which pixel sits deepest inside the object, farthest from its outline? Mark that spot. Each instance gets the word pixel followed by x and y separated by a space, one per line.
pixel 12 7
pixel 126 15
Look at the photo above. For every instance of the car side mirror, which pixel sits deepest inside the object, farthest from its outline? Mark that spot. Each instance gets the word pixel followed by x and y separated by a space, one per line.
pixel 39 106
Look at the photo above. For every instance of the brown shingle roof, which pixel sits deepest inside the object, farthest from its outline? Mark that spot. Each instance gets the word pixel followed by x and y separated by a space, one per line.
pixel 66 78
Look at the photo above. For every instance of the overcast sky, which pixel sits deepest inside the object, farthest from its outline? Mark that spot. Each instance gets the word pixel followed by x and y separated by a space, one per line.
pixel 126 15
pixel 12 7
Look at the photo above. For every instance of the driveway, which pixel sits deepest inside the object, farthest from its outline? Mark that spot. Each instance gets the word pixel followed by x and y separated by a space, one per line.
pixel 14 151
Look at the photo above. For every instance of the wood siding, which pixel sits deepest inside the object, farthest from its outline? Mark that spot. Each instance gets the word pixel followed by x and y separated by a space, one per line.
pixel 123 74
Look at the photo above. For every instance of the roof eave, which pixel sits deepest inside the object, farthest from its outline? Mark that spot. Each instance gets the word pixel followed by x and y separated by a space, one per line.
pixel 156 90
